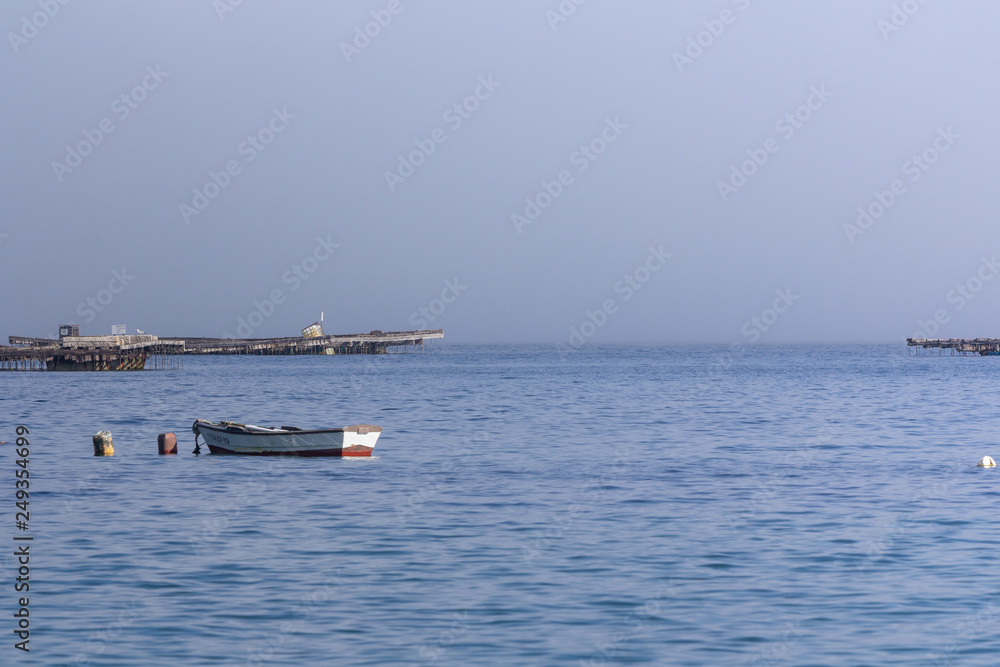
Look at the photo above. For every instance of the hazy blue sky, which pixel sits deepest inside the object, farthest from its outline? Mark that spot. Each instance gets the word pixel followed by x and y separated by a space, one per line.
pixel 311 116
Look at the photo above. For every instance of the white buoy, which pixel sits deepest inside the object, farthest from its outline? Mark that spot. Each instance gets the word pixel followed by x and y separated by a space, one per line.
pixel 987 462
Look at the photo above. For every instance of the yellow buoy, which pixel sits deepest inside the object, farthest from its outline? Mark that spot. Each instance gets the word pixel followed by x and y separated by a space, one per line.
pixel 102 444
pixel 987 462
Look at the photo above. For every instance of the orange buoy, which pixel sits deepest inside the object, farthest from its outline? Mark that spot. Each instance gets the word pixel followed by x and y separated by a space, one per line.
pixel 166 443
pixel 102 444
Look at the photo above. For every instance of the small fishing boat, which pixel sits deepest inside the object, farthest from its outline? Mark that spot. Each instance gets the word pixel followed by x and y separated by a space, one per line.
pixel 232 438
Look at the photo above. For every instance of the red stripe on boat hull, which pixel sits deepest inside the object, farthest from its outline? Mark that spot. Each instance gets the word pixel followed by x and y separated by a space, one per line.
pixel 353 450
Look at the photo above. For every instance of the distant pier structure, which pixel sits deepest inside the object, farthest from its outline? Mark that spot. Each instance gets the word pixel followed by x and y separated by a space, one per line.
pixel 90 353
pixel 985 347
pixel 375 342
pixel 73 352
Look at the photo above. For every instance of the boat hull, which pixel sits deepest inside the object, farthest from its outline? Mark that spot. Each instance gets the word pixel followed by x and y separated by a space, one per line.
pixel 351 451
pixel 338 442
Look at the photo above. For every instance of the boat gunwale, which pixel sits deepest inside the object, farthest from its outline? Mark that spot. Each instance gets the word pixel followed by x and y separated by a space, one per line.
pixel 215 426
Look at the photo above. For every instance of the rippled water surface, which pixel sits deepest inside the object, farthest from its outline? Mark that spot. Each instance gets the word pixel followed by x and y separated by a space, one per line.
pixel 802 505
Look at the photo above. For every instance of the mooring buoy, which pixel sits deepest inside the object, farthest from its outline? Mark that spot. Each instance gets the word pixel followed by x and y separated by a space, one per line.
pixel 987 462
pixel 166 443
pixel 102 444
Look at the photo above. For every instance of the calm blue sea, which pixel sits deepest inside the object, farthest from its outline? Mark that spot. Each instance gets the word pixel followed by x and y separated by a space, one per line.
pixel 802 505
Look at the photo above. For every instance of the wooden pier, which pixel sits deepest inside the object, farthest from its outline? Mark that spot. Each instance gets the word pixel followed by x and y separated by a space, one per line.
pixel 147 352
pixel 985 347
pixel 90 353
